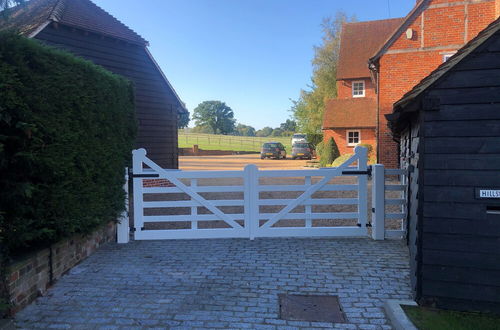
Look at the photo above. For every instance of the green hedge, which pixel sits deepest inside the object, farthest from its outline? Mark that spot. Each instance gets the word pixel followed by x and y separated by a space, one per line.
pixel 328 151
pixel 67 127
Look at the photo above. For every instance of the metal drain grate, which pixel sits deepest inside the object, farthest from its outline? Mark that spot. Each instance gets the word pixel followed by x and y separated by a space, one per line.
pixel 311 308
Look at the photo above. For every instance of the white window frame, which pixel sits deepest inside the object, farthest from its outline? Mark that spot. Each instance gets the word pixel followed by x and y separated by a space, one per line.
pixel 347 137
pixel 364 88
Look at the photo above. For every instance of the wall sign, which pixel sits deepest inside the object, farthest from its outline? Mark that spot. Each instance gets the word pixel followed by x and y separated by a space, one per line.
pixel 488 193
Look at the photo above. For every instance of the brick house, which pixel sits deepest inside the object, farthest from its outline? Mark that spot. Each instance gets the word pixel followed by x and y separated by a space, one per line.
pixel 432 32
pixel 351 118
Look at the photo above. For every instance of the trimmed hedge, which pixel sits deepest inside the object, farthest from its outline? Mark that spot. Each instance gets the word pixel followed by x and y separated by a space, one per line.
pixel 67 128
pixel 328 151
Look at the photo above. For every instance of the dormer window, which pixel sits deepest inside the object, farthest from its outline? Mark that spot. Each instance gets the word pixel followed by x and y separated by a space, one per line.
pixel 358 88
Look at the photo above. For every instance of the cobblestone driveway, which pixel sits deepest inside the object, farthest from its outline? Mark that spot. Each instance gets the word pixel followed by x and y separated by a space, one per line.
pixel 227 283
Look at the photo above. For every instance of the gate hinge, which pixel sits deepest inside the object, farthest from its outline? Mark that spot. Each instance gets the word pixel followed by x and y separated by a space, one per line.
pixel 133 229
pixel 368 224
pixel 373 210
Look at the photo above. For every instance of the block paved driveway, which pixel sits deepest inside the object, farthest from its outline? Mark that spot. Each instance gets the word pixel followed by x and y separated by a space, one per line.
pixel 223 283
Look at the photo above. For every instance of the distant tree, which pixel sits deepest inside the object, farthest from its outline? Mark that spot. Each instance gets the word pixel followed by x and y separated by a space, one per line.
pixel 183 120
pixel 266 131
pixel 289 125
pixel 216 115
pixel 277 132
pixel 308 109
pixel 201 129
pixel 244 130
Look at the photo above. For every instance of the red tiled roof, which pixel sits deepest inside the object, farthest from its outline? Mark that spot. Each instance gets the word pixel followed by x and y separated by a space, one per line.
pixel 358 42
pixel 350 113
pixel 82 14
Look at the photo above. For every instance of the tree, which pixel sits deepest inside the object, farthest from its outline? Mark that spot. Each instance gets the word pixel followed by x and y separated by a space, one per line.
pixel 308 109
pixel 183 120
pixel 289 126
pixel 277 132
pixel 216 115
pixel 266 131
pixel 244 130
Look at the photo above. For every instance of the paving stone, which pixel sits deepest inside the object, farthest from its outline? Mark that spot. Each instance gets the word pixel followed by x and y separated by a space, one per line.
pixel 223 283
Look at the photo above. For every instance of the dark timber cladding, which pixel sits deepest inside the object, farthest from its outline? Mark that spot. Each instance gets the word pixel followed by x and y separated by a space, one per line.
pixel 449 129
pixel 84 29
pixel 156 110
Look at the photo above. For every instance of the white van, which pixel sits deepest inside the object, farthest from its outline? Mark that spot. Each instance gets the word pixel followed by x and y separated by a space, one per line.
pixel 299 137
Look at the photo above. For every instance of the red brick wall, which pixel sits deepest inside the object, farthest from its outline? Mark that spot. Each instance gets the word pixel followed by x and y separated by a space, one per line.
pixel 447 26
pixel 30 277
pixel 344 88
pixel 339 135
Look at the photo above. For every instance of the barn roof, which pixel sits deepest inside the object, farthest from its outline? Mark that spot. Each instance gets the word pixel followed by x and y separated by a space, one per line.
pixel 444 68
pixel 408 103
pixel 359 41
pixel 350 113
pixel 30 18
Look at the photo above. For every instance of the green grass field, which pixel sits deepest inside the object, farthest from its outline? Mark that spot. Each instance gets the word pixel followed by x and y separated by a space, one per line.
pixel 229 142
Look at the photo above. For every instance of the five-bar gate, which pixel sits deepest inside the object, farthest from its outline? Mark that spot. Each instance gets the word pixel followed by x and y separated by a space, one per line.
pixel 250 203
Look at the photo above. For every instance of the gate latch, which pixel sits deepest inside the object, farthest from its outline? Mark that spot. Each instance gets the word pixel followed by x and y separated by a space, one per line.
pixel 367 172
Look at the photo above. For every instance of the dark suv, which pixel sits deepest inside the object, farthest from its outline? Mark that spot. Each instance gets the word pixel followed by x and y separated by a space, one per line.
pixel 273 150
pixel 302 150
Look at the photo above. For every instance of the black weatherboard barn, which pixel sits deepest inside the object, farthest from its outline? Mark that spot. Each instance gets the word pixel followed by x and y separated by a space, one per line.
pixel 449 132
pixel 86 30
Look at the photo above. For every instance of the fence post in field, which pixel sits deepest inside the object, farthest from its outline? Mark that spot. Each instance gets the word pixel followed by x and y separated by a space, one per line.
pixel 137 159
pixel 378 202
pixel 251 196
pixel 123 229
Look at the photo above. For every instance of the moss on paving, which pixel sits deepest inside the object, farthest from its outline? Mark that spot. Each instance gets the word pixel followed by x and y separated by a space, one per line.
pixel 437 319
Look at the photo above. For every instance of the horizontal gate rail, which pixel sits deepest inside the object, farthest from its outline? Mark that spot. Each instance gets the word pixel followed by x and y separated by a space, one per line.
pixel 250 203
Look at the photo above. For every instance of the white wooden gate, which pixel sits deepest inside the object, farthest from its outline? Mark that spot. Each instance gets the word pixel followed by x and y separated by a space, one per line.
pixel 250 203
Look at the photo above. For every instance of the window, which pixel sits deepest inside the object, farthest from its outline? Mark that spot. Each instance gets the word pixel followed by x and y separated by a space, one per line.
pixel 353 138
pixel 358 88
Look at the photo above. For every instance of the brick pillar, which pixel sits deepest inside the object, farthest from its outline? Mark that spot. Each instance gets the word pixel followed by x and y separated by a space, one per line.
pixel 497 8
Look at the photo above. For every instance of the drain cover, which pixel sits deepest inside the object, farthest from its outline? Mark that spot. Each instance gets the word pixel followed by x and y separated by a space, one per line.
pixel 311 308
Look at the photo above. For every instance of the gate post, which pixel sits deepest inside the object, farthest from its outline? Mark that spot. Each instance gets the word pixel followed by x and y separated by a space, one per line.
pixel 123 227
pixel 378 202
pixel 137 160
pixel 362 153
pixel 251 197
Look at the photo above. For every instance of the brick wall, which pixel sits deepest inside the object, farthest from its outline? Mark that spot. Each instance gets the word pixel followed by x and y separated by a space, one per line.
pixel 339 135
pixel 33 274
pixel 445 26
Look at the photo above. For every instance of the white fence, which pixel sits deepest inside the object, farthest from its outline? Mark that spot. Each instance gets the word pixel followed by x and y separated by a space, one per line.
pixel 253 203
pixel 388 193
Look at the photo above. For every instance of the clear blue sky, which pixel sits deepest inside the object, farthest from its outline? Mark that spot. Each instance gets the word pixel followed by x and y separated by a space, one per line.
pixel 255 55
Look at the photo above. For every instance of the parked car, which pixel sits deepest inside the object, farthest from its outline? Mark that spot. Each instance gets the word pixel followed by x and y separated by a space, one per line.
pixel 298 137
pixel 303 150
pixel 273 150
